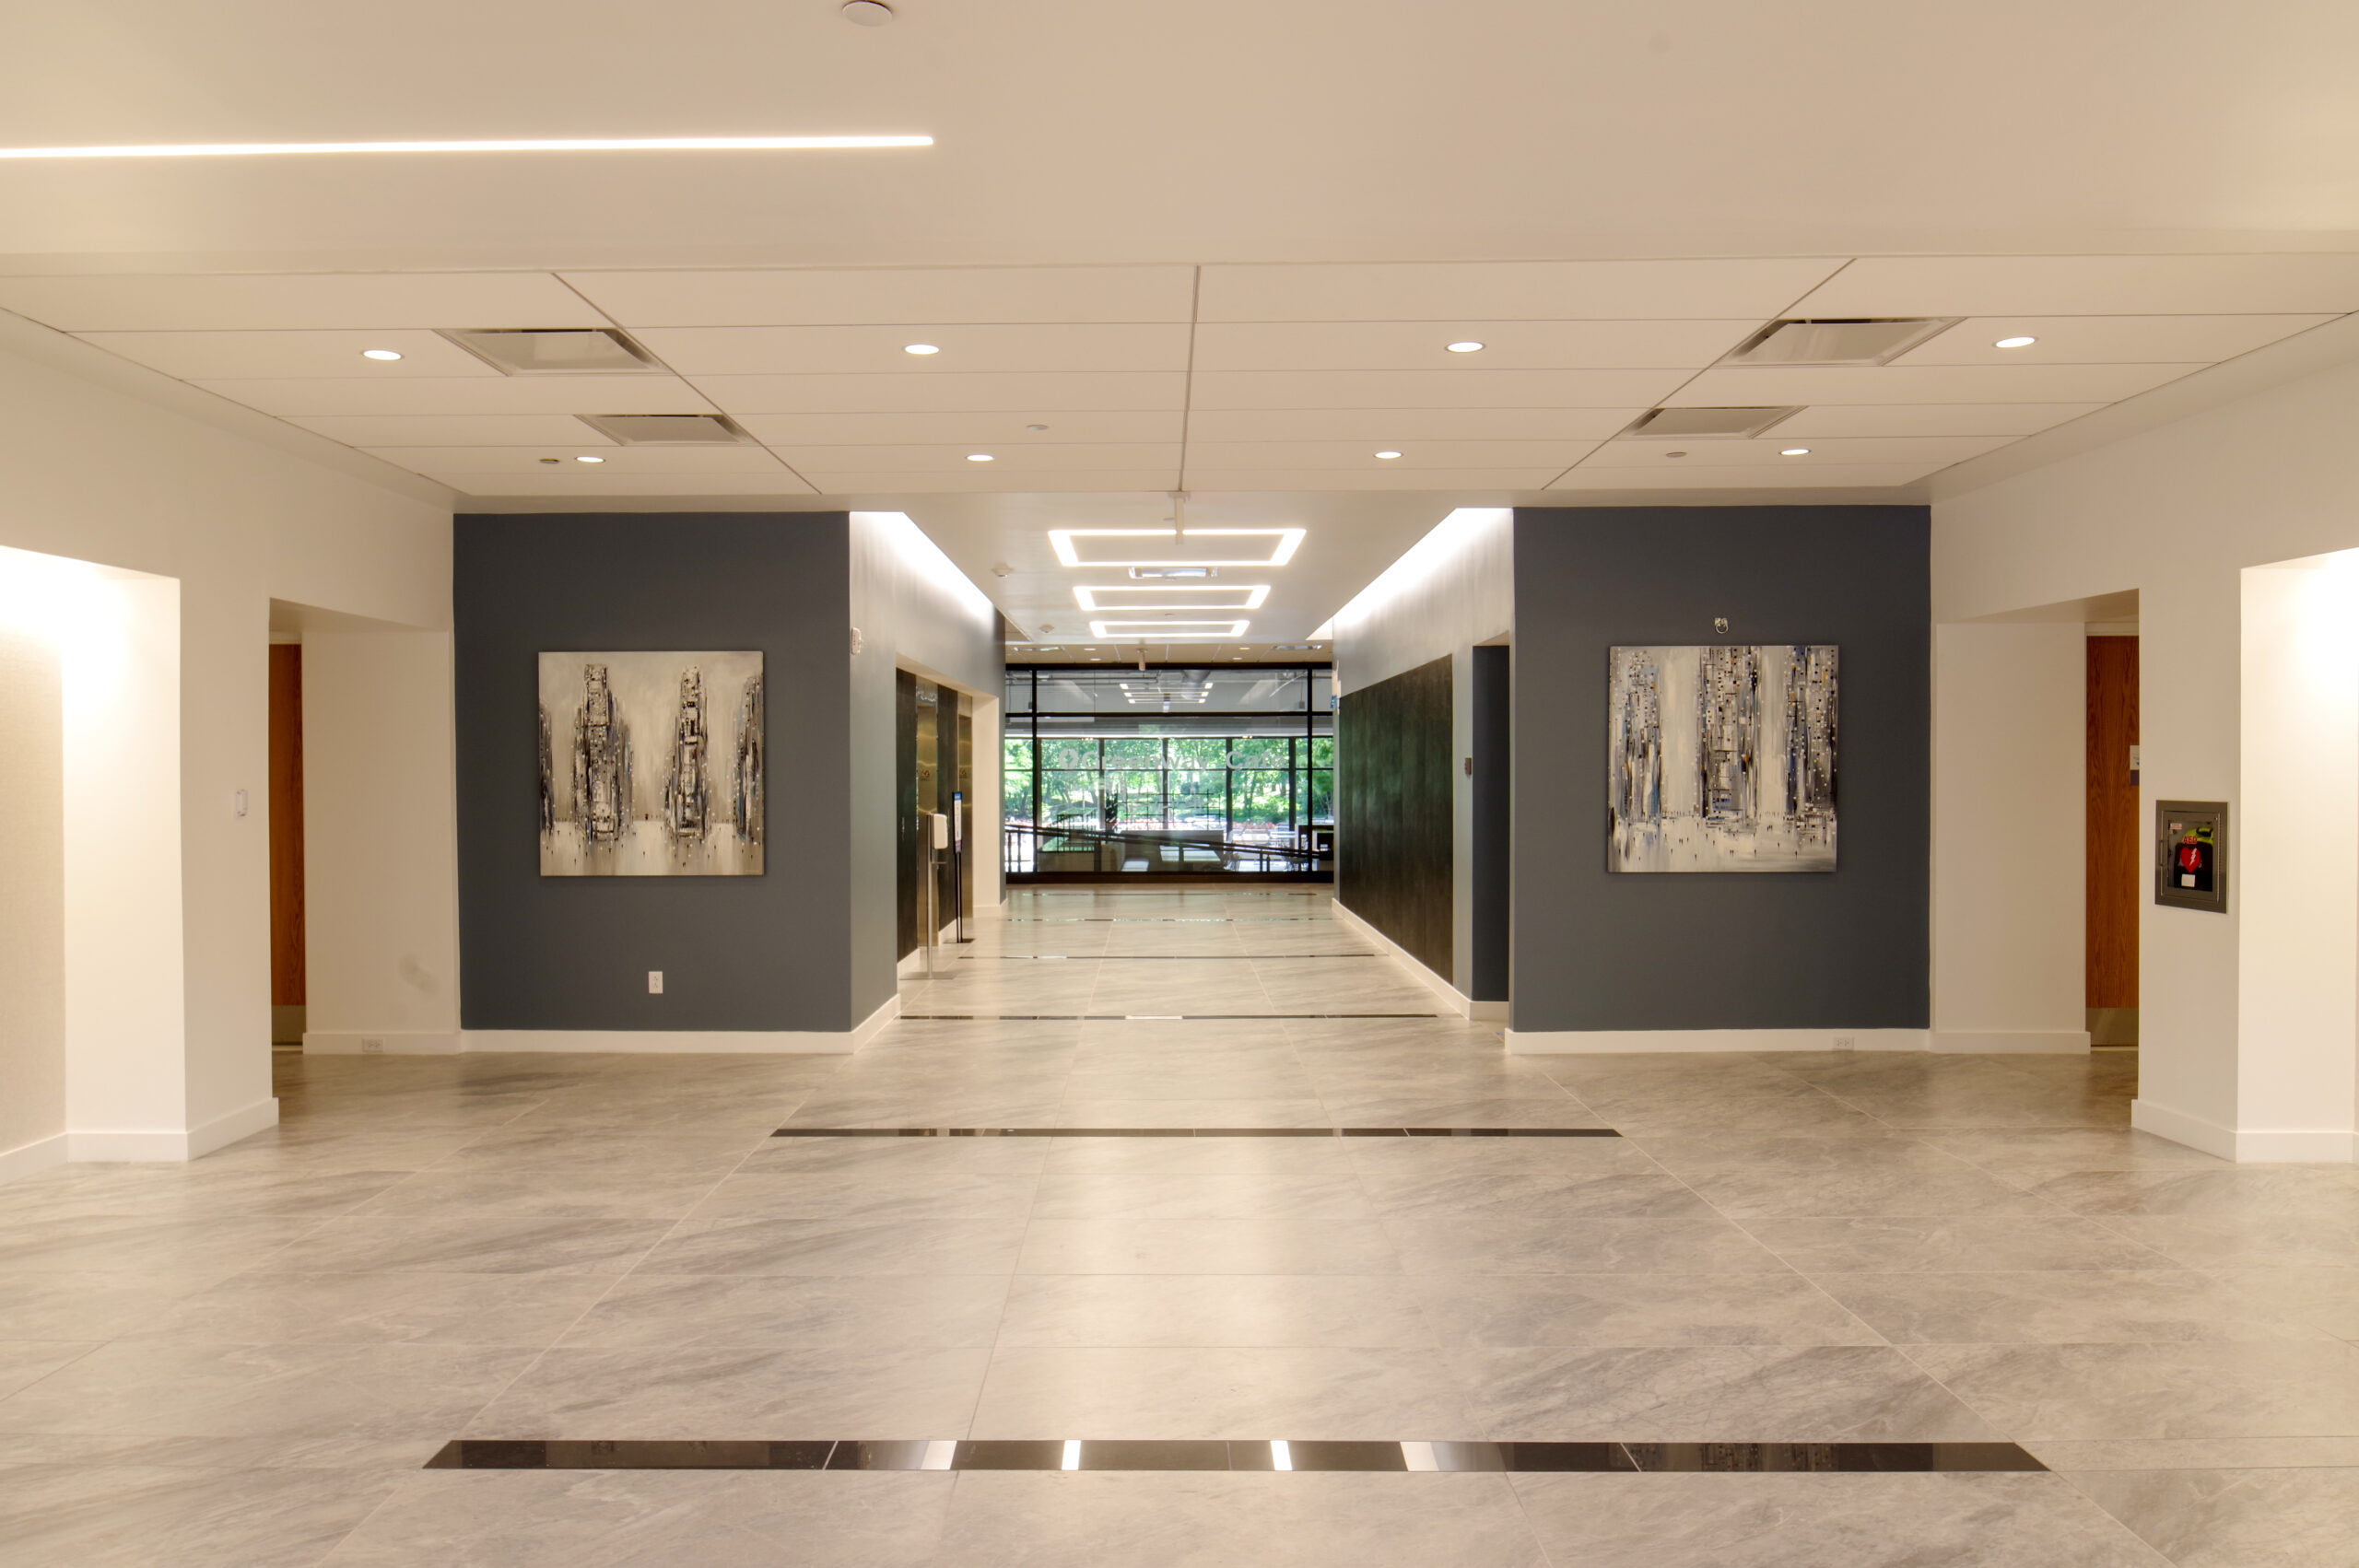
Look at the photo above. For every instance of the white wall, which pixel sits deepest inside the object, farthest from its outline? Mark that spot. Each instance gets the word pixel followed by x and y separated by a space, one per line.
pixel 93 472
pixel 1451 590
pixel 2293 858
pixel 33 889
pixel 2009 829
pixel 2177 513
pixel 381 840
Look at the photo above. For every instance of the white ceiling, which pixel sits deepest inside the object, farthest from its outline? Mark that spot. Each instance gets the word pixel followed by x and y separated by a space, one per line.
pixel 1217 246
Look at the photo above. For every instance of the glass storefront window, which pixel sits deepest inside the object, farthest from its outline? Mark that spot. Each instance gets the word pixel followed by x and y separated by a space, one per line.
pixel 1203 767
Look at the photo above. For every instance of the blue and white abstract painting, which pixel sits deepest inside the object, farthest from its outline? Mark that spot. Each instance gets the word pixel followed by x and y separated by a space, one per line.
pixel 1722 759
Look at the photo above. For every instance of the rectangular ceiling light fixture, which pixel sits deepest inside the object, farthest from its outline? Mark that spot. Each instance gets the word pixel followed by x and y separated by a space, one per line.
pixel 615 144
pixel 1077 546
pixel 559 351
pixel 1238 596
pixel 1143 573
pixel 1169 631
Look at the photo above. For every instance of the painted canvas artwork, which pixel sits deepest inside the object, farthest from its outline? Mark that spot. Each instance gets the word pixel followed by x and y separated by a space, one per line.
pixel 1722 759
pixel 651 763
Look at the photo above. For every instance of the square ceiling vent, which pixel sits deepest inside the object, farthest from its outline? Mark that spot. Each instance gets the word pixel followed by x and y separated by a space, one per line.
pixel 565 352
pixel 1705 423
pixel 1853 342
pixel 667 429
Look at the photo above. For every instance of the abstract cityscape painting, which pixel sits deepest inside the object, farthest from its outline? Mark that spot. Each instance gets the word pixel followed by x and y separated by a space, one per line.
pixel 651 763
pixel 1722 759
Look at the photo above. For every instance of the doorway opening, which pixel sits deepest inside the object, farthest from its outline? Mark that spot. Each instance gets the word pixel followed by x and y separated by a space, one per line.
pixel 935 740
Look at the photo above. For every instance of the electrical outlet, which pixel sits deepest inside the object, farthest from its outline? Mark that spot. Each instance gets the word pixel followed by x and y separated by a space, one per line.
pixel 1847 1042
pixel 655 982
pixel 372 1048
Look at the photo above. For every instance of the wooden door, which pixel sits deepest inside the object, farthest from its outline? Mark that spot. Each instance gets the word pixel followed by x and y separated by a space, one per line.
pixel 2116 849
pixel 286 958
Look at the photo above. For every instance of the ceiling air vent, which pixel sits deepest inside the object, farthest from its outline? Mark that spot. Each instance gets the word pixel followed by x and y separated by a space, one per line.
pixel 667 429
pixel 1861 341
pixel 1705 423
pixel 567 352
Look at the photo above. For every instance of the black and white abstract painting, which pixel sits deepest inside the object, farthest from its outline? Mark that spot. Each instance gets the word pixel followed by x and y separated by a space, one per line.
pixel 651 763
pixel 1722 759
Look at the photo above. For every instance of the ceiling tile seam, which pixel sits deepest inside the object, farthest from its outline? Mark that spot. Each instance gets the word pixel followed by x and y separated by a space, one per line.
pixel 1188 387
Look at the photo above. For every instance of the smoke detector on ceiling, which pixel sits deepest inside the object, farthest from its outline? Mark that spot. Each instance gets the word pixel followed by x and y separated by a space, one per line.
pixel 667 429
pixel 1704 424
pixel 867 13
pixel 570 351
pixel 1851 341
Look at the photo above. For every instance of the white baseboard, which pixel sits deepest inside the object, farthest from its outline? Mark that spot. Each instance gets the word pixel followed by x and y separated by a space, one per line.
pixel 1456 1000
pixel 1583 1042
pixel 194 1144
pixel 2038 1042
pixel 31 1159
pixel 688 1041
pixel 381 1042
pixel 2327 1146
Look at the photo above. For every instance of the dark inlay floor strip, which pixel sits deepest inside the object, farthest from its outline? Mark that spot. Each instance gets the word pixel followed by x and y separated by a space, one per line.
pixel 1087 1454
pixel 1138 1017
pixel 1195 1132
pixel 1148 958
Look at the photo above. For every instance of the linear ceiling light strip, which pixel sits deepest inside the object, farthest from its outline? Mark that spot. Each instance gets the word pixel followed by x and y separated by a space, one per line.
pixel 607 143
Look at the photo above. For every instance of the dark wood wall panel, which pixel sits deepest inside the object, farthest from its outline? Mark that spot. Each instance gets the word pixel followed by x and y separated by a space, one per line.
pixel 1394 810
pixel 286 824
pixel 2116 848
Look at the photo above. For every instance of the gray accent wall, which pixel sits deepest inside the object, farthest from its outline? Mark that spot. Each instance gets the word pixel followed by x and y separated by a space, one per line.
pixel 1600 950
pixel 767 952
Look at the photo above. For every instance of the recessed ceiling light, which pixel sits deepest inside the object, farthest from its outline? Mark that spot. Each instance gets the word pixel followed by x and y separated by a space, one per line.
pixel 552 460
pixel 1388 456
pixel 2015 343
pixel 1674 454
pixel 920 348
pixel 380 353
pixel 867 13
pixel 616 143
pixel 980 457
pixel 1795 451
pixel 1468 346
pixel 586 458
pixel 1036 430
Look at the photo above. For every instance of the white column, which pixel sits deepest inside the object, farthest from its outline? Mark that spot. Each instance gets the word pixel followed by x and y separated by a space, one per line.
pixel 380 843
pixel 2009 829
pixel 125 1007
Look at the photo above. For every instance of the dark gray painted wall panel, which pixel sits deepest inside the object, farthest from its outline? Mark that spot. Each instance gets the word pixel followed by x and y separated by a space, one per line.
pixel 767 952
pixel 1597 950
pixel 1393 815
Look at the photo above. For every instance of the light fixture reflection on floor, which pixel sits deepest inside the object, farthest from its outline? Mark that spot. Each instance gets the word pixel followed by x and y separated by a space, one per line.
pixel 616 143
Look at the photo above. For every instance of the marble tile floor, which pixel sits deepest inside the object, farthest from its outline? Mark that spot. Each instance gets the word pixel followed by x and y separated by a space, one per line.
pixel 250 1360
